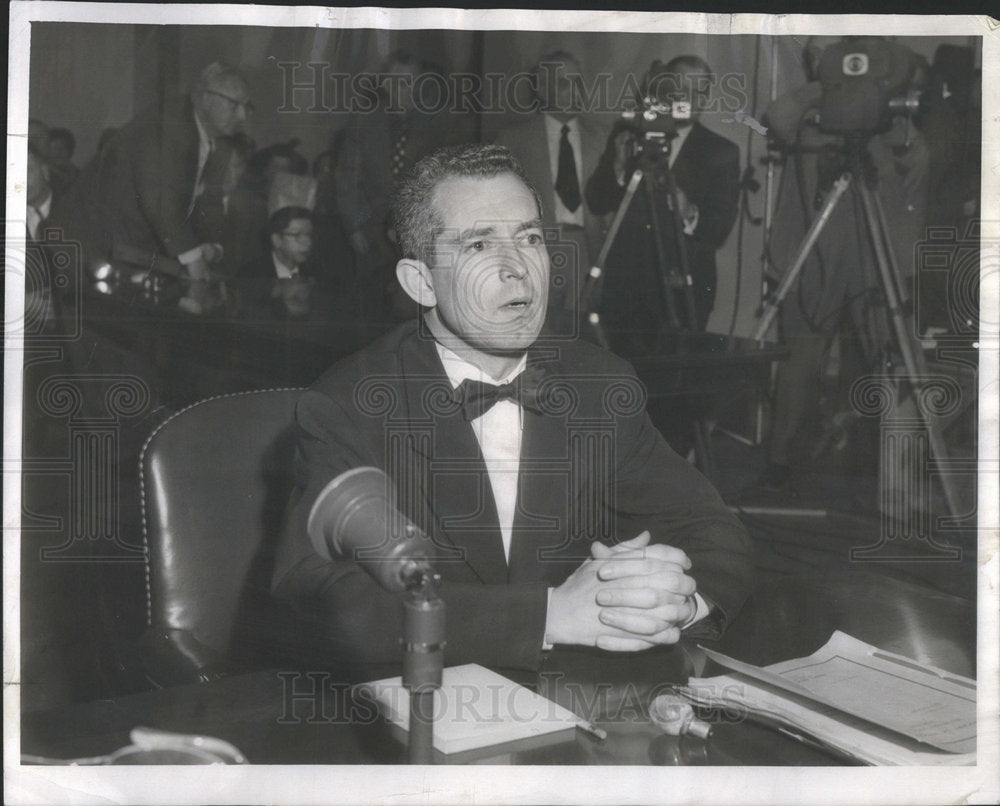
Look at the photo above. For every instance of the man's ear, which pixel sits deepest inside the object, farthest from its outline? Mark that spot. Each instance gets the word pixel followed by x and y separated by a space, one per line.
pixel 415 278
pixel 275 240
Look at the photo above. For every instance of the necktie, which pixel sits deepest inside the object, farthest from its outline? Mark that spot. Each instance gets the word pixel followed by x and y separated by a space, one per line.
pixel 209 211
pixel 567 185
pixel 477 397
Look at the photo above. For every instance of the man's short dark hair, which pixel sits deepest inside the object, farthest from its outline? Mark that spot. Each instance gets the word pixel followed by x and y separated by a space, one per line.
pixel 416 220
pixel 65 136
pixel 297 164
pixel 281 218
pixel 661 77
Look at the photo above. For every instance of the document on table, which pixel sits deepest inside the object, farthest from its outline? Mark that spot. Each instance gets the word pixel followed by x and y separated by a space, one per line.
pixel 476 708
pixel 848 683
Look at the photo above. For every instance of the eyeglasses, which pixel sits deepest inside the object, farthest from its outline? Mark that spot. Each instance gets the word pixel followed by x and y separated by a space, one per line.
pixel 234 101
pixel 298 236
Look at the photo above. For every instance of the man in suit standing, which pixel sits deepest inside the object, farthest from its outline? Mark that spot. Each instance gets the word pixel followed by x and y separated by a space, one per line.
pixel 158 189
pixel 378 147
pixel 559 146
pixel 512 455
pixel 706 170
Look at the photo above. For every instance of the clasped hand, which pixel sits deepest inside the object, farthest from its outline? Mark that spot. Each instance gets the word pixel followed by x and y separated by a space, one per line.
pixel 625 598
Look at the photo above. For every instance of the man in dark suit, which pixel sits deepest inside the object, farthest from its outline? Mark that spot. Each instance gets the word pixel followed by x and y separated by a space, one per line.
pixel 512 483
pixel 283 283
pixel 158 186
pixel 706 170
pixel 559 147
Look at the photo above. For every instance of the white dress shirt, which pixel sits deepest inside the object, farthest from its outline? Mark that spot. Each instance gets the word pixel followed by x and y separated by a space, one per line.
pixel 553 131
pixel 499 435
pixel 37 214
pixel 282 270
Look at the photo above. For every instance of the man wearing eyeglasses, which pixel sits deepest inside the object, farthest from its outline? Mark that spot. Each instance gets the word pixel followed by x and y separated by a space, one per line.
pixel 282 284
pixel 154 195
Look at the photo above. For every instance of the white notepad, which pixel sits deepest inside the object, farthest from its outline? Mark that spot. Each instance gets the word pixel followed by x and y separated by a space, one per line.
pixel 476 708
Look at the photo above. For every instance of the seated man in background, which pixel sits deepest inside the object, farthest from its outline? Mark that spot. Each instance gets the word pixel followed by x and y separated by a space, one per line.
pixel 283 282
pixel 557 512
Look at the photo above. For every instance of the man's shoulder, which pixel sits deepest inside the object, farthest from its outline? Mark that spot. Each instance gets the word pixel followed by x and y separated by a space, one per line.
pixel 578 356
pixel 383 358
pixel 715 141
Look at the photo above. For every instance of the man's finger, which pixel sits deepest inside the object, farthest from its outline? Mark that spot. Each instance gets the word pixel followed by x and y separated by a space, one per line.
pixel 614 643
pixel 646 599
pixel 657 551
pixel 600 552
pixel 621 643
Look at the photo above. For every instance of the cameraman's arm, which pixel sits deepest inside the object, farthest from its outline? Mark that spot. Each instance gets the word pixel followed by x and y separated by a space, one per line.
pixel 603 191
pixel 717 197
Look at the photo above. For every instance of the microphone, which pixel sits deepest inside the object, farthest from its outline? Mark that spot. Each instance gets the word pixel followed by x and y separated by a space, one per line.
pixel 355 518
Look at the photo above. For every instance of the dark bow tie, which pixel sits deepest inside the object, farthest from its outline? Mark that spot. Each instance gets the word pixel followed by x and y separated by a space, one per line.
pixel 476 397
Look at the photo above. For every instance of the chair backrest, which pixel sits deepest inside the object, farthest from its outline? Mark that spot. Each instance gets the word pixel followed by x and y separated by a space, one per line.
pixel 215 481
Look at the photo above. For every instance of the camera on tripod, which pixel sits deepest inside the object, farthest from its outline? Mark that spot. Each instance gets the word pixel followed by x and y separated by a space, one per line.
pixel 653 127
pixel 865 82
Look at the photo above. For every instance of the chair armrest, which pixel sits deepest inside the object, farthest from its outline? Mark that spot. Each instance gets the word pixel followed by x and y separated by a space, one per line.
pixel 172 657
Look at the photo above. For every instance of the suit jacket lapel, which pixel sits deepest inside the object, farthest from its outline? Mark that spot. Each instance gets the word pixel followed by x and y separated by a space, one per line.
pixel 454 484
pixel 547 490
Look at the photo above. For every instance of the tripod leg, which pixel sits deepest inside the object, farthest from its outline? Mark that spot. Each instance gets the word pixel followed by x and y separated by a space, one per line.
pixel 597 270
pixel 770 308
pixel 913 358
pixel 661 260
pixel 682 255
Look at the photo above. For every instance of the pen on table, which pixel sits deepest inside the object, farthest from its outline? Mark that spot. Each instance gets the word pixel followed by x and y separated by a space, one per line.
pixel 593 730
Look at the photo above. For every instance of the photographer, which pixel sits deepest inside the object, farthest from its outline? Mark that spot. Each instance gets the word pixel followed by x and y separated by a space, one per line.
pixel 837 295
pixel 705 167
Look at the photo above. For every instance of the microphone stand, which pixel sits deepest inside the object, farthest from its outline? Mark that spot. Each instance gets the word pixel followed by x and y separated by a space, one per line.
pixel 423 654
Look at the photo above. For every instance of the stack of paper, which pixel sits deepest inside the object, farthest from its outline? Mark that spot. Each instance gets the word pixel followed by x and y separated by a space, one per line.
pixel 875 706
pixel 476 708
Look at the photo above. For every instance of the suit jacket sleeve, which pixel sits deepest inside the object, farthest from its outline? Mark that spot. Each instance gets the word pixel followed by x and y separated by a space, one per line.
pixel 717 192
pixel 162 194
pixel 656 489
pixel 348 616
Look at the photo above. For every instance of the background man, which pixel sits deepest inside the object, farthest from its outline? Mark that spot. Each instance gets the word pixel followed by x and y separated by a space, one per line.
pixel 62 144
pixel 706 169
pixel 283 282
pixel 559 147
pixel 505 491
pixel 379 147
pixel 157 188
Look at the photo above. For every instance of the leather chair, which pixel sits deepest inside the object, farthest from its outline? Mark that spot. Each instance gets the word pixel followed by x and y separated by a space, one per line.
pixel 215 481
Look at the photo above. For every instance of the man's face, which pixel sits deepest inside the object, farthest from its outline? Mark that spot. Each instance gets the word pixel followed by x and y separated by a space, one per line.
pixel 224 107
pixel 294 243
pixel 37 190
pixel 490 268
pixel 58 152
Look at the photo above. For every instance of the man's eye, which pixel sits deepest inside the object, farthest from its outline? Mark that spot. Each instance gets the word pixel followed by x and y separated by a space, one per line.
pixel 476 246
pixel 534 238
